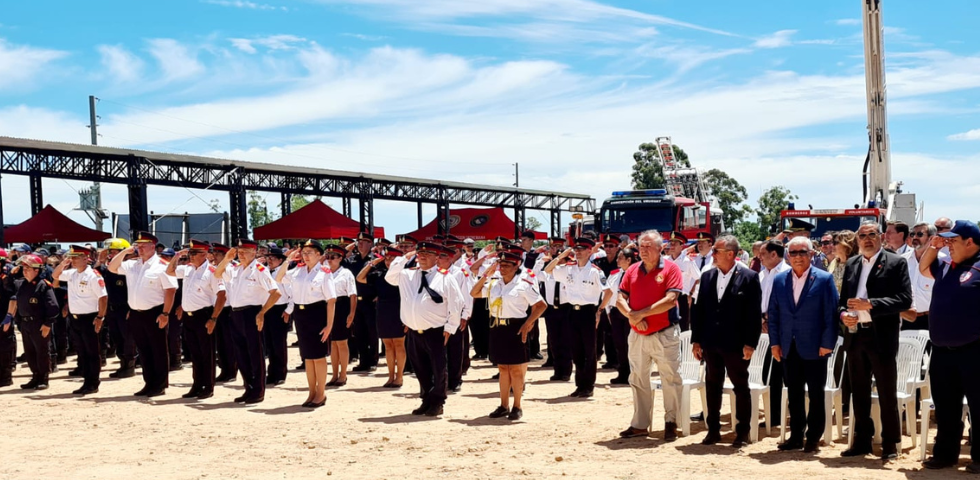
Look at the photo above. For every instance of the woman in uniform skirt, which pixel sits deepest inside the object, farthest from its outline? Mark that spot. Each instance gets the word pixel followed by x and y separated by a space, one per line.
pixel 390 328
pixel 509 295
pixel 314 302
pixel 346 306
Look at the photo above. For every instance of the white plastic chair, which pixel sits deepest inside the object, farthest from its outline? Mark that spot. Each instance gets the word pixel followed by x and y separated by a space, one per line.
pixel 833 400
pixel 909 362
pixel 692 377
pixel 922 336
pixel 758 390
pixel 926 408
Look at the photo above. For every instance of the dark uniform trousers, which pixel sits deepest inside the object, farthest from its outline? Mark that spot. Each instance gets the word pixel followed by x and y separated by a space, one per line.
pixel 620 336
pixel 864 359
pixel 201 347
pixel 37 348
pixel 427 352
pixel 455 356
pixel 274 331
pixel 366 331
pixel 559 340
pixel 604 339
pixel 804 379
pixel 59 340
pixel 248 349
pixel 684 310
pixel 225 342
pixel 175 328
pixel 954 374
pixel 581 322
pixel 151 343
pixel 717 361
pixel 122 337
pixel 479 326
pixel 87 345
pixel 775 372
pixel 8 353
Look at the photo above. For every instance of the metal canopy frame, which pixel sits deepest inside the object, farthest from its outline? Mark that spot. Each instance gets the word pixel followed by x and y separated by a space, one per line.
pixel 138 168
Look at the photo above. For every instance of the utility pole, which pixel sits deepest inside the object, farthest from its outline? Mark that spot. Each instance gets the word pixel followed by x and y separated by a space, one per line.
pixel 517 176
pixel 91 199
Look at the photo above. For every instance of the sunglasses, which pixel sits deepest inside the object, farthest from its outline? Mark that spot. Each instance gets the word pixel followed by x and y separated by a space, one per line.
pixel 863 236
pixel 826 242
pixel 799 253
pixel 919 234
pixel 718 250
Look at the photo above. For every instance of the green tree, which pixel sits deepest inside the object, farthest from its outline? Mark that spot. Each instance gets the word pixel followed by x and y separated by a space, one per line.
pixel 258 210
pixel 531 223
pixel 771 202
pixel 299 201
pixel 748 233
pixel 647 171
pixel 730 195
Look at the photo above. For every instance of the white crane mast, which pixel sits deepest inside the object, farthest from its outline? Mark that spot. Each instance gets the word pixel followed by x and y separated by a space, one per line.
pixel 877 168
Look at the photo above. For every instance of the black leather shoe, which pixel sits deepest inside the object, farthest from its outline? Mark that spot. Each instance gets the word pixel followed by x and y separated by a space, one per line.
pixel 633 433
pixel 537 356
pixel 86 390
pixel 559 378
pixel 586 393
pixel 253 400
pixel 933 463
pixel 456 388
pixel 205 394
pixel 421 410
pixel 434 411
pixel 610 366
pixel 225 377
pixel 123 373
pixel 857 451
pixel 142 392
pixel 191 394
pixel 811 447
pixel 620 381
pixel 155 393
pixel 501 411
pixel 576 393
pixel 41 386
pixel 241 399
pixel 790 445
pixel 741 440
pixel 670 432
pixel 711 438
pixel 31 385
pixel 889 452
pixel 75 372
pixel 496 376
pixel 698 418
pixel 515 414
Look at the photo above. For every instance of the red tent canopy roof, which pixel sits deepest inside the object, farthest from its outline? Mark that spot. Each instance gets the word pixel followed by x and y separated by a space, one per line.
pixel 315 220
pixel 50 225
pixel 475 223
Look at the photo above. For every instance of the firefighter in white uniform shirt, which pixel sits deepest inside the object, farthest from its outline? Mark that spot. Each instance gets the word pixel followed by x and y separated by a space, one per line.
pixel 251 292
pixel 587 293
pixel 151 300
pixel 202 299
pixel 431 303
pixel 87 302
pixel 510 295
pixel 455 349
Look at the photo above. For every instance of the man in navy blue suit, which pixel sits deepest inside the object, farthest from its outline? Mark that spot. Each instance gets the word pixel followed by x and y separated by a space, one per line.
pixel 802 319
pixel 725 329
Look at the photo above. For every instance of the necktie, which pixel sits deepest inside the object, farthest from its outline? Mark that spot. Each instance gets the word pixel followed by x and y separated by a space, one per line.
pixel 703 259
pixel 432 293
pixel 557 290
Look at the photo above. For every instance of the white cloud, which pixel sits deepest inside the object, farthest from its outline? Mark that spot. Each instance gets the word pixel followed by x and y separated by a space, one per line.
pixel 686 58
pixel 123 66
pixel 243 44
pixel 366 38
pixel 848 21
pixel 776 40
pixel 243 4
pixel 176 61
pixel 270 42
pixel 41 123
pixel 970 135
pixel 21 64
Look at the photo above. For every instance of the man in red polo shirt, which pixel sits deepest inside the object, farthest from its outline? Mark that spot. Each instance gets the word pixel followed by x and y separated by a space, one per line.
pixel 648 297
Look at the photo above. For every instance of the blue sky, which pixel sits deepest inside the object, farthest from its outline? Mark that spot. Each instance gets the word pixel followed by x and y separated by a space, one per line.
pixel 771 92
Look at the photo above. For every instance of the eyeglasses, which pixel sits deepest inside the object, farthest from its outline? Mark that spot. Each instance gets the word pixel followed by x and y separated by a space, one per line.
pixel 798 253
pixel 827 242
pixel 717 250
pixel 863 236
pixel 919 234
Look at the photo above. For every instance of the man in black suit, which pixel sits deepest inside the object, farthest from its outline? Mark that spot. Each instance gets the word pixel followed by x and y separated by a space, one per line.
pixel 874 292
pixel 725 330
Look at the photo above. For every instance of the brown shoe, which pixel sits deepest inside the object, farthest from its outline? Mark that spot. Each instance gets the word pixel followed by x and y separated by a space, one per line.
pixel 670 432
pixel 633 432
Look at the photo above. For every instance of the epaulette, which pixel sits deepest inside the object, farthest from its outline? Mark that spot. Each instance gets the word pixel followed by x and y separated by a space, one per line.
pixel 597 267
pixel 49 283
pixel 530 273
pixel 300 264
pixel 212 269
pixel 466 272
pixel 260 267
pixel 443 271
pixel 94 270
pixel 235 263
pixel 614 271
pixel 529 282
pixel 164 262
pixel 325 269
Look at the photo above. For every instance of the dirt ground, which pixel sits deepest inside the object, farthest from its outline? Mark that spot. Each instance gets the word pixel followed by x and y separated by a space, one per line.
pixel 368 432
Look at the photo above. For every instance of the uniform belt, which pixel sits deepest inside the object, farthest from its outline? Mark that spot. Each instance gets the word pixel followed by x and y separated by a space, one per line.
pixel 503 322
pixel 864 325
pixel 308 305
pixel 239 309
pixel 147 310
pixel 75 316
pixel 420 332
pixel 359 298
pixel 921 314
pixel 580 307
pixel 198 311
pixel 26 319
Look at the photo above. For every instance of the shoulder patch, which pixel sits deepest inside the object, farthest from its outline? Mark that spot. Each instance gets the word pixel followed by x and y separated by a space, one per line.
pixel 101 283
pixel 325 269
pixel 260 267
pixel 615 271
pixel 212 269
pixel 443 271
pixel 48 282
pixel 466 272
pixel 530 273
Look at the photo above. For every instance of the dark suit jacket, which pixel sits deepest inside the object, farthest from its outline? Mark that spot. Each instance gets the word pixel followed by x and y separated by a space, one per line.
pixel 889 291
pixel 735 321
pixel 812 323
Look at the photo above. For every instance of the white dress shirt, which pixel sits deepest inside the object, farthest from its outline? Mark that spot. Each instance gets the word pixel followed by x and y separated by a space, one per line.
pixel 344 284
pixel 284 297
pixel 864 316
pixel 921 285
pixel 615 278
pixel 723 280
pixel 312 285
pixel 418 311
pixel 702 261
pixel 766 278
pixel 465 280
pixel 201 286
pixel 689 271
pixel 510 300
pixel 85 288
pixel 798 284
pixel 248 285
pixel 146 282
pixel 583 285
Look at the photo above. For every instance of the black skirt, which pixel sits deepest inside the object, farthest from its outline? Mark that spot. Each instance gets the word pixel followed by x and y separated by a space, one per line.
pixel 389 319
pixel 341 310
pixel 506 347
pixel 310 321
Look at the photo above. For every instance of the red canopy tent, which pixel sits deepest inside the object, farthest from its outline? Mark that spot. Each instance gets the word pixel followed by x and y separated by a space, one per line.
pixel 315 220
pixel 475 223
pixel 50 225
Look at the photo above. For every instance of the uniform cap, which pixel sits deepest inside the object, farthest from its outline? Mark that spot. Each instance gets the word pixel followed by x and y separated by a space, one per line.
pixel 705 236
pixel 145 237
pixel 429 247
pixel 345 241
pixel 23 248
pixel 199 245
pixel 393 252
pixel 677 237
pixel 334 248
pixel 384 242
pixel 797 225
pixel 276 251
pixel 219 248
pixel 610 238
pixel 365 236
pixel 560 240
pixel 515 249
pixel 965 229
pixel 247 243
pixel 469 241
pixel 43 252
pixel 510 257
pixel 79 251
pixel 316 245
pixel 584 242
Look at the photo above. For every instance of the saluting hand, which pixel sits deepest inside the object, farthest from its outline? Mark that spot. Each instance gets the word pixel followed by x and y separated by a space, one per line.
pixel 232 253
pixel 937 242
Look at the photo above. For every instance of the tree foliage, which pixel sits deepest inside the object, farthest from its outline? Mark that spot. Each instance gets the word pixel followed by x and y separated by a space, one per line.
pixel 531 223
pixel 647 171
pixel 299 201
pixel 748 233
pixel 730 195
pixel 258 211
pixel 771 202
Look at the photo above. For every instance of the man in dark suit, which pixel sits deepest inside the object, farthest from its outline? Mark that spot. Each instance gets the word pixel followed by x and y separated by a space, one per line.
pixel 874 292
pixel 802 320
pixel 725 330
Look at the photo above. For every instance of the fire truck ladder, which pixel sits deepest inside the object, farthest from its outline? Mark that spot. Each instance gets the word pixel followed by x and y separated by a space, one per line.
pixel 680 181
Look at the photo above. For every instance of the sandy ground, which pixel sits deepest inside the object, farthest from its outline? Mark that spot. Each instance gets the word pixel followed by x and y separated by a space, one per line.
pixel 368 432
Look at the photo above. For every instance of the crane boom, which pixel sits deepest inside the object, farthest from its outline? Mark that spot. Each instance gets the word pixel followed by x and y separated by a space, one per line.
pixel 877 167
